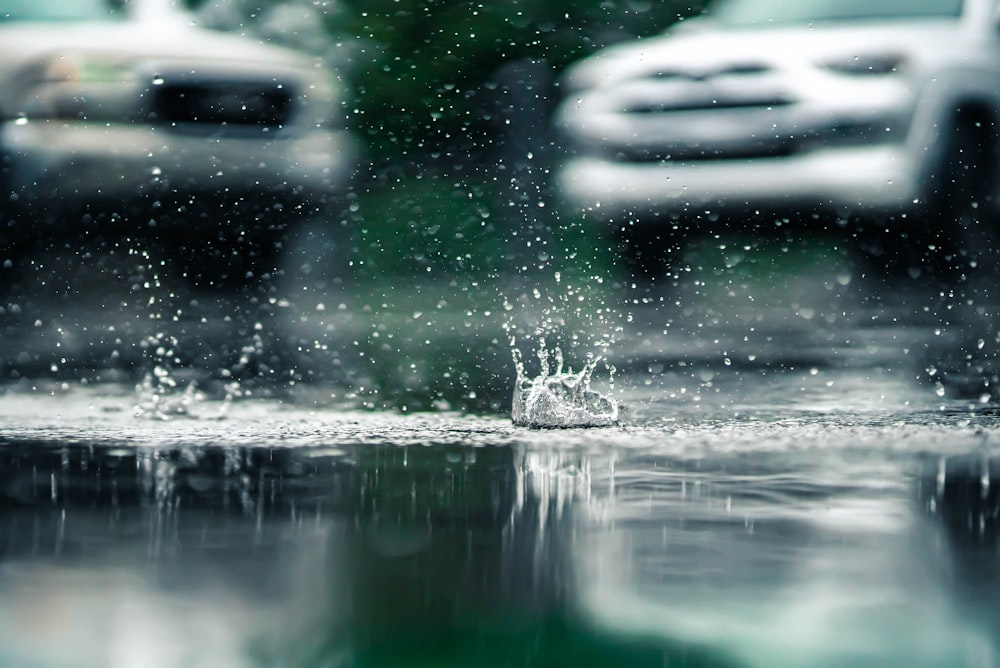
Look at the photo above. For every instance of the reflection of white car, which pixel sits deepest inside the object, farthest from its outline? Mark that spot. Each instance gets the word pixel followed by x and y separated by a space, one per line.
pixel 127 110
pixel 883 109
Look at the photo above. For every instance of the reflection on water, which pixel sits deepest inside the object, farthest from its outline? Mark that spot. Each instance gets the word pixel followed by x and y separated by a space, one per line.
pixel 961 494
pixel 782 562
pixel 382 556
pixel 365 540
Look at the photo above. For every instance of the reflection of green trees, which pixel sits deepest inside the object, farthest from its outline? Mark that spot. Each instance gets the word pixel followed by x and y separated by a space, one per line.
pixel 557 642
pixel 435 554
pixel 454 562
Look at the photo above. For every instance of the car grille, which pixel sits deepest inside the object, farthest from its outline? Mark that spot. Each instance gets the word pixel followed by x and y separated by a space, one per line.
pixel 729 70
pixel 681 153
pixel 841 133
pixel 707 105
pixel 236 105
pixel 698 97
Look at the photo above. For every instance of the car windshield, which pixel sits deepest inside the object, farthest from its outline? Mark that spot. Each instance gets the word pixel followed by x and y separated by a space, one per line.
pixel 739 13
pixel 56 10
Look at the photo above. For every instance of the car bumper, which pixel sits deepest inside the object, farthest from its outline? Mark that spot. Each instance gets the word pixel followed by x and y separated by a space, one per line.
pixel 872 180
pixel 57 161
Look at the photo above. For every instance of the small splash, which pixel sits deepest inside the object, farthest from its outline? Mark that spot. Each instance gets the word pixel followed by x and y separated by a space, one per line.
pixel 559 399
pixel 161 395
pixel 158 397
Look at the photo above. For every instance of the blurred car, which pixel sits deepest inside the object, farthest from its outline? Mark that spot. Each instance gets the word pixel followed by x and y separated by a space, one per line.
pixel 839 109
pixel 128 112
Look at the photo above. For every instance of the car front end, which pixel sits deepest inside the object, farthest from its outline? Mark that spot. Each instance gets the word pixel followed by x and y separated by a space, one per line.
pixel 113 111
pixel 796 118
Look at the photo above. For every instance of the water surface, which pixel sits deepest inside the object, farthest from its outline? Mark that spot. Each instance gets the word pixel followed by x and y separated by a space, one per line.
pixel 807 517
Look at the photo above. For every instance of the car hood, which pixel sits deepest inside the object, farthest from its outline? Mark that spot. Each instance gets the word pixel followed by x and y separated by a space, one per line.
pixel 703 50
pixel 25 43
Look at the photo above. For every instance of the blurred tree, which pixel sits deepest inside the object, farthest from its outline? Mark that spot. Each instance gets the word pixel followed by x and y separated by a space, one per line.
pixel 426 74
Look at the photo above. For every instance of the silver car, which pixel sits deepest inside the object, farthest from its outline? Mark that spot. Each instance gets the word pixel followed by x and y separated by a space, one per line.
pixel 127 111
pixel 835 109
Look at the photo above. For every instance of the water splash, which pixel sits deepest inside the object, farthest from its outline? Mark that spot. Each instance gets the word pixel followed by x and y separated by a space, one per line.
pixel 557 399
pixel 159 397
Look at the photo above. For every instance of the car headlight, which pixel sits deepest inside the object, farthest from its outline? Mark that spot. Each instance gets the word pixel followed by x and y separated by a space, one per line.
pixel 868 64
pixel 83 68
pixel 74 85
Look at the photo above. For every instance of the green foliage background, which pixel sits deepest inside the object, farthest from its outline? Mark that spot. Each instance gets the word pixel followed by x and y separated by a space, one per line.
pixel 426 68
pixel 423 72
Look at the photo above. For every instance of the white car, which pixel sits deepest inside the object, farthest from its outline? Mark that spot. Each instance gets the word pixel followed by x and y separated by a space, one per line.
pixel 881 110
pixel 127 111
